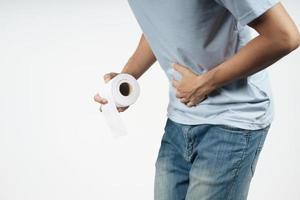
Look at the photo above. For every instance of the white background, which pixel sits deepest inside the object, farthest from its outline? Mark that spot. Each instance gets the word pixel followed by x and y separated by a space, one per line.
pixel 54 144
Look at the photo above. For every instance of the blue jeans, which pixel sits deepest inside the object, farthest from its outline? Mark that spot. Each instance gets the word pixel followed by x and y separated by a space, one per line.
pixel 206 162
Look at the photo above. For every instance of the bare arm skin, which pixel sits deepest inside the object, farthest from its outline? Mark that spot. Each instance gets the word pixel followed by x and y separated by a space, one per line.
pixel 141 60
pixel 278 36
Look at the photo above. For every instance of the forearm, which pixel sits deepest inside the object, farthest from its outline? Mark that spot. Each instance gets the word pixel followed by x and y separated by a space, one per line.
pixel 142 59
pixel 258 54
pixel 278 36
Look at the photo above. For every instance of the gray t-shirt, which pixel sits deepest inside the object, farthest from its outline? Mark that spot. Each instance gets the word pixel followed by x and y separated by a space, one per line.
pixel 200 34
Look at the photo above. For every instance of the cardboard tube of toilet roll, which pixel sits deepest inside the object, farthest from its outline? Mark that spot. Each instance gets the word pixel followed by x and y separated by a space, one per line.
pixel 121 91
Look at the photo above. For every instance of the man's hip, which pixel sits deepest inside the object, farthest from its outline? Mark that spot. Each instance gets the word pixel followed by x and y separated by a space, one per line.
pixel 206 162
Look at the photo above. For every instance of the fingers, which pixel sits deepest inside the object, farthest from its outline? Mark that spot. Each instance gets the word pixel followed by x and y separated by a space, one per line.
pixel 175 83
pixel 107 77
pixel 122 109
pixel 193 102
pixel 99 99
pixel 184 100
pixel 179 68
pixel 190 104
pixel 179 95
pixel 103 101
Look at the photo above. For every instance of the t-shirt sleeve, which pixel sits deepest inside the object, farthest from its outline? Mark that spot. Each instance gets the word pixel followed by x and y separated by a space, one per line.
pixel 245 11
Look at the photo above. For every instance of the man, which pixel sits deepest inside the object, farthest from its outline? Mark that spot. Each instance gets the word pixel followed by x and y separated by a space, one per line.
pixel 220 105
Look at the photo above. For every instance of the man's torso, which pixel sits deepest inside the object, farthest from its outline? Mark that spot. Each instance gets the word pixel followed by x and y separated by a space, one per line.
pixel 200 34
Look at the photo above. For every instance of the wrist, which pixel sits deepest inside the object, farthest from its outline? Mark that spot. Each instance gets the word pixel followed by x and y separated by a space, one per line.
pixel 127 70
pixel 208 81
pixel 132 68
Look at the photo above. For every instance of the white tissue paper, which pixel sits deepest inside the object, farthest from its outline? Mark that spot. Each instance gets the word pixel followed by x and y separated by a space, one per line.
pixel 121 91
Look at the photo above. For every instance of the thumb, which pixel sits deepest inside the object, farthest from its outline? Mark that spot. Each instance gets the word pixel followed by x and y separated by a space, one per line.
pixel 107 77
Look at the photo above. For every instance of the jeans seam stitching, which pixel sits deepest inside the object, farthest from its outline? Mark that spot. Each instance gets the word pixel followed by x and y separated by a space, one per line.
pixel 258 151
pixel 239 165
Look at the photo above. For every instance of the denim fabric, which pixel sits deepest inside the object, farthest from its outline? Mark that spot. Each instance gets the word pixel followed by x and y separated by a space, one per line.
pixel 206 162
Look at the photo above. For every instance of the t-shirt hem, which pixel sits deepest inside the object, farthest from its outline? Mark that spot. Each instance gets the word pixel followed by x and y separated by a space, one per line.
pixel 228 122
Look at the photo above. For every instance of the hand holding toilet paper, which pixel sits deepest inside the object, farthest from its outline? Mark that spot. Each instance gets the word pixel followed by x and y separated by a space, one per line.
pixel 121 91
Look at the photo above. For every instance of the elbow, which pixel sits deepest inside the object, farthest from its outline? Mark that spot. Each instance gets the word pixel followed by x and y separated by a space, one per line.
pixel 292 43
pixel 288 42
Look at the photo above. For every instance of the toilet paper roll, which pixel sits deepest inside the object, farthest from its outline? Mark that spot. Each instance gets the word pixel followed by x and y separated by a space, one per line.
pixel 121 91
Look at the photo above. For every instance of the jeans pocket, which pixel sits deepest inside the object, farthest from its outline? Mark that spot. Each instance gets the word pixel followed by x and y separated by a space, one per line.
pixel 232 129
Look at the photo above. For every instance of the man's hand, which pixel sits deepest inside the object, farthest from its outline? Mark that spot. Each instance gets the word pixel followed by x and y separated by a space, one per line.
pixel 192 88
pixel 102 101
pixel 278 36
pixel 142 59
